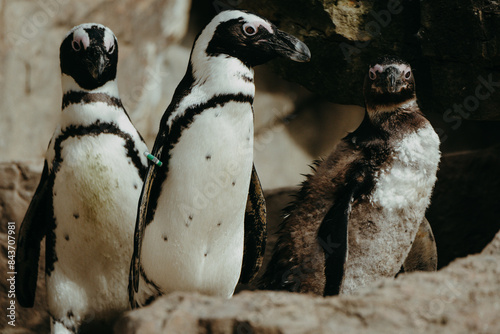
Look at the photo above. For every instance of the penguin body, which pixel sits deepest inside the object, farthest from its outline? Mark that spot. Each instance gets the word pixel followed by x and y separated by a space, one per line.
pixel 193 219
pixel 211 239
pixel 355 219
pixel 86 201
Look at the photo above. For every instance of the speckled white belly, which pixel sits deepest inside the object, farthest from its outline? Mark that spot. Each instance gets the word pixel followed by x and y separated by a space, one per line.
pixel 195 242
pixel 381 230
pixel 95 194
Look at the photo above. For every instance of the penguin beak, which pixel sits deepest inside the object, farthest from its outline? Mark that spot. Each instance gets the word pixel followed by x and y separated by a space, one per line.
pixel 391 83
pixel 97 68
pixel 288 46
pixel 393 80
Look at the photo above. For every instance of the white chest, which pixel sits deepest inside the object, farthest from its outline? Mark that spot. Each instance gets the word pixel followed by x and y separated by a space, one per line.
pixel 410 178
pixel 381 230
pixel 95 192
pixel 95 196
pixel 198 225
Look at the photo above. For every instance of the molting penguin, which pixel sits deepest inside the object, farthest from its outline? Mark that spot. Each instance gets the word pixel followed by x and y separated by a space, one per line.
pixel 355 219
pixel 203 208
pixel 86 202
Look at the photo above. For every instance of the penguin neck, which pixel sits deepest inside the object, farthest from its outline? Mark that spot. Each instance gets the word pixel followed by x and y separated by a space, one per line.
pixel 379 112
pixel 222 74
pixel 395 122
pixel 69 84
pixel 84 107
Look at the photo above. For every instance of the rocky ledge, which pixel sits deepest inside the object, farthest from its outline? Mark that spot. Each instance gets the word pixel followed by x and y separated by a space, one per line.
pixel 461 298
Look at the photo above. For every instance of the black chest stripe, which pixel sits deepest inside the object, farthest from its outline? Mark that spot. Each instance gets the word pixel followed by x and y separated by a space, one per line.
pixel 95 129
pixel 73 97
pixel 179 124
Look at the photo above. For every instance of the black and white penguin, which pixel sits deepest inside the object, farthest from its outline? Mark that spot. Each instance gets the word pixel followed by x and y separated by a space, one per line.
pixel 86 202
pixel 193 217
pixel 355 219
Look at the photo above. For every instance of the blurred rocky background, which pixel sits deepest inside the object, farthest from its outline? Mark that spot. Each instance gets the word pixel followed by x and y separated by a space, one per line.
pixel 301 111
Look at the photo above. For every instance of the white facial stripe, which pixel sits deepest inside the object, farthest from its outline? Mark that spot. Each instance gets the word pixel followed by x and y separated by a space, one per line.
pixel 250 18
pixel 85 26
pixel 265 25
pixel 402 68
pixel 378 68
pixel 79 32
pixel 257 21
pixel 82 37
pixel 109 39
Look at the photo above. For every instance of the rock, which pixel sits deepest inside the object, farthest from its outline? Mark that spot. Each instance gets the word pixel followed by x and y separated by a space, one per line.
pixel 493 247
pixel 18 182
pixel 461 298
pixel 462 52
pixel 464 208
pixel 452 46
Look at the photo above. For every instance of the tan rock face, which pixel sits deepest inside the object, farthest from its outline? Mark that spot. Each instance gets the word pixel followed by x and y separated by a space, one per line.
pixel 447 301
pixel 18 182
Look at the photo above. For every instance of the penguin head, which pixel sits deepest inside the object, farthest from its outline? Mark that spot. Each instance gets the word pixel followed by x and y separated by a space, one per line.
pixel 89 54
pixel 389 81
pixel 248 37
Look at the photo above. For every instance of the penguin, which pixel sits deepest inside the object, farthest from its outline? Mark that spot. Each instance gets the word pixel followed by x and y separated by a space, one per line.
pixel 355 218
pixel 86 202
pixel 203 207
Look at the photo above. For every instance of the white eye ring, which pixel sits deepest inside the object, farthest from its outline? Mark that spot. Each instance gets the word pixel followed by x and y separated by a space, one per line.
pixel 249 29
pixel 408 74
pixel 76 45
pixel 372 74
pixel 111 48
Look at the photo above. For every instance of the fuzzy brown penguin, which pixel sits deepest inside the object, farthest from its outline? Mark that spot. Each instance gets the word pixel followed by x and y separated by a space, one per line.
pixel 356 217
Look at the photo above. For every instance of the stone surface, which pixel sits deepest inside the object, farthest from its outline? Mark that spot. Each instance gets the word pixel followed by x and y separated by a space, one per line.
pixel 18 182
pixel 464 212
pixel 462 298
pixel 451 46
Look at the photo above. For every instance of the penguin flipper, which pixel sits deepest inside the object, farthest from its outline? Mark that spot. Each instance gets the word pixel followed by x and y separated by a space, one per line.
pixel 140 225
pixel 33 228
pixel 332 237
pixel 255 230
pixel 423 253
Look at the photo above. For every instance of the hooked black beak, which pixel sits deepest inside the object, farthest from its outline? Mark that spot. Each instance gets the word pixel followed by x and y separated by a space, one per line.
pixel 393 80
pixel 96 68
pixel 391 83
pixel 289 46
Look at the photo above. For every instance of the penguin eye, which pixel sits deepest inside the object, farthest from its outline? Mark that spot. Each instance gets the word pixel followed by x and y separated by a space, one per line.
pixel 249 29
pixel 372 74
pixel 76 45
pixel 408 74
pixel 111 49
